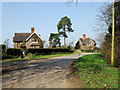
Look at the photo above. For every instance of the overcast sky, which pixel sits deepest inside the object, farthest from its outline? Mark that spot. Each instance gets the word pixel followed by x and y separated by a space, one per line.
pixel 44 16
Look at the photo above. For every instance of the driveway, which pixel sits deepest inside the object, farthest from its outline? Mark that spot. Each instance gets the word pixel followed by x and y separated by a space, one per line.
pixel 42 73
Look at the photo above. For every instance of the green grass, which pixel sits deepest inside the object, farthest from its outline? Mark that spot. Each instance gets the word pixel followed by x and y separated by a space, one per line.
pixel 51 56
pixel 96 73
pixel 42 56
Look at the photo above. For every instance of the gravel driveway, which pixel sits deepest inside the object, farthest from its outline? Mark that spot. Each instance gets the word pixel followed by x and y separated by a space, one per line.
pixel 42 73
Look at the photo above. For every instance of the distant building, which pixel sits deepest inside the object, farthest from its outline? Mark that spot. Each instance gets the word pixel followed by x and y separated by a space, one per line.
pixel 85 43
pixel 28 40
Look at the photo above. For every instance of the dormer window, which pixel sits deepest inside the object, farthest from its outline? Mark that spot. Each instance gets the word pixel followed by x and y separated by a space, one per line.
pixel 34 40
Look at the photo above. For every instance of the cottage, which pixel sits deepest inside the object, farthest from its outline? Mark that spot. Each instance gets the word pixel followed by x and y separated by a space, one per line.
pixel 28 40
pixel 85 43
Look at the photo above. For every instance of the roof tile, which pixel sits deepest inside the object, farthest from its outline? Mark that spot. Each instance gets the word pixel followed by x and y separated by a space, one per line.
pixel 21 37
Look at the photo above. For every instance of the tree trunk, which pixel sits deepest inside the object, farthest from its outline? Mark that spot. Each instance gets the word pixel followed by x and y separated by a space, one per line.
pixel 64 42
pixel 64 37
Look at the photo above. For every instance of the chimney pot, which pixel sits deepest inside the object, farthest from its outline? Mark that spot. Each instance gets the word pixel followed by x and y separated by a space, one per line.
pixel 84 36
pixel 32 29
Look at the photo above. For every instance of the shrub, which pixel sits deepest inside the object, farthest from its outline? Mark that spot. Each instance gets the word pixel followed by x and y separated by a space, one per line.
pixel 30 55
pixel 48 51
pixel 87 50
pixel 82 50
pixel 5 56
pixel 68 47
pixel 13 52
pixel 2 48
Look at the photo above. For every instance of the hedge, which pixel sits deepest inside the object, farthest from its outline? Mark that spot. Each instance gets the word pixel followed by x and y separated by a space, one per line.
pixel 5 56
pixel 48 51
pixel 87 50
pixel 13 52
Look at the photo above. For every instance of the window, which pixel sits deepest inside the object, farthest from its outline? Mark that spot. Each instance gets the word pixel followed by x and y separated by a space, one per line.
pixel 34 40
pixel 89 43
pixel 18 44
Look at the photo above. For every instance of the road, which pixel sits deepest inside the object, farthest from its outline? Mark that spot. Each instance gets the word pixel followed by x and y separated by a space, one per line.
pixel 43 73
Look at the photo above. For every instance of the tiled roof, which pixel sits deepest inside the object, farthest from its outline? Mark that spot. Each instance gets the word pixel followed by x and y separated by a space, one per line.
pixel 84 42
pixel 21 37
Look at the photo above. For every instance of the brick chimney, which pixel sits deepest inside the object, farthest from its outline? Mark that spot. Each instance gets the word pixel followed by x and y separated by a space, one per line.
pixel 32 29
pixel 16 34
pixel 84 36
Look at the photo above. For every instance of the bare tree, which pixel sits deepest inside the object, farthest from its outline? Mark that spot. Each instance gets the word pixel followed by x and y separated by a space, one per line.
pixel 70 2
pixel 105 22
pixel 6 42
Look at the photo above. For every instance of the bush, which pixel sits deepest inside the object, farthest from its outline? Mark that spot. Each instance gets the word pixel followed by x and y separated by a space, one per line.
pixel 68 47
pixel 117 62
pixel 13 52
pixel 5 56
pixel 2 48
pixel 82 50
pixel 30 55
pixel 47 51
pixel 87 50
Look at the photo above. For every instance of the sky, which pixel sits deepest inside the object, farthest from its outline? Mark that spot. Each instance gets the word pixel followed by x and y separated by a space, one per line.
pixel 19 17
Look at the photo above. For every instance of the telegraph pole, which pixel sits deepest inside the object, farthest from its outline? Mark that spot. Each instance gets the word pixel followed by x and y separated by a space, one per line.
pixel 113 25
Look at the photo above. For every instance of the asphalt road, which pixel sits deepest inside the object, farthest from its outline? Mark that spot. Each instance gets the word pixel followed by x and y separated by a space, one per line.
pixel 42 73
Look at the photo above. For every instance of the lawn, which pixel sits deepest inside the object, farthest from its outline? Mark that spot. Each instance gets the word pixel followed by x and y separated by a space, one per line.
pixel 94 71
pixel 42 56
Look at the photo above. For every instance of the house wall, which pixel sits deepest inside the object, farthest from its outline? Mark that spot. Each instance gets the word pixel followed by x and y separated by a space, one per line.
pixel 30 41
pixel 17 44
pixel 88 46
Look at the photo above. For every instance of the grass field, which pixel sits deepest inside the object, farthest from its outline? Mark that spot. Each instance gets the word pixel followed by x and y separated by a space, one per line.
pixel 94 71
pixel 42 56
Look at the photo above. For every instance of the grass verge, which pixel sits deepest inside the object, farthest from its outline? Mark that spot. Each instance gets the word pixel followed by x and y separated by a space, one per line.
pixel 95 72
pixel 42 56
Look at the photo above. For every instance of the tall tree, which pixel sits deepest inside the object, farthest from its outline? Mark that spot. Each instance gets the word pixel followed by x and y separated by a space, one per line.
pixel 64 26
pixel 54 40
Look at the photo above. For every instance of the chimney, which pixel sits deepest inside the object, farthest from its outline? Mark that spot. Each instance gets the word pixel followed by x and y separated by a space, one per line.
pixel 16 34
pixel 84 36
pixel 32 29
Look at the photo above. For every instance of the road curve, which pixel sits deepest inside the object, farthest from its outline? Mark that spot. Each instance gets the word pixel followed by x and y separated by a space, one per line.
pixel 42 73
